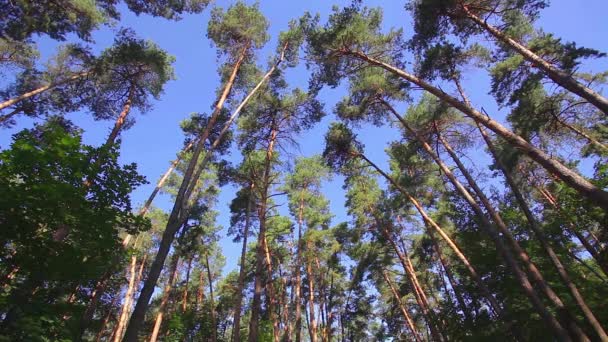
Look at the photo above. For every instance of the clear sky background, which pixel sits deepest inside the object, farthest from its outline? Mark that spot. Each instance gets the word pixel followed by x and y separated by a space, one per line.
pixel 156 137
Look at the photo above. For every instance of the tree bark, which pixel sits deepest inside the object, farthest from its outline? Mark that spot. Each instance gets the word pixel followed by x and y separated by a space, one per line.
pixel 558 76
pixel 298 275
pixel 178 213
pixel 122 117
pixel 408 320
pixel 312 325
pixel 236 335
pixel 185 294
pixel 126 302
pixel 165 299
pixel 568 176
pixel 211 301
pixel 106 320
pixel 262 257
pixel 40 90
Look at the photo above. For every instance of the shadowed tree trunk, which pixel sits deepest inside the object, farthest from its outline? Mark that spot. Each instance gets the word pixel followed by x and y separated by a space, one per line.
pixel 408 320
pixel 211 301
pixel 165 298
pixel 122 117
pixel 126 302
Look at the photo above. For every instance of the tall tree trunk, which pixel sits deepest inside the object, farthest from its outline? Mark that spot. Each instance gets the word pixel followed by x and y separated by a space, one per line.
pixel 105 321
pixel 185 294
pixel 557 75
pixel 211 301
pixel 200 293
pixel 298 275
pixel 521 277
pixel 165 298
pixel 312 325
pixel 408 320
pixel 40 90
pixel 126 302
pixel 568 176
pixel 414 284
pixel 236 335
pixel 262 248
pixel 535 227
pixel 101 285
pixel 451 279
pixel 574 230
pixel 178 213
pixel 502 248
pixel 514 244
pixel 122 117
pixel 429 222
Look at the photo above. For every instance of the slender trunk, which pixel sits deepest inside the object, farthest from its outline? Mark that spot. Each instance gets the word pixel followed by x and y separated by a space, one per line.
pixel 185 294
pixel 451 280
pixel 106 320
pixel 581 132
pixel 408 320
pixel 40 90
pixel 514 244
pixel 165 299
pixel 127 302
pixel 568 176
pixel 211 301
pixel 298 274
pixel 236 335
pixel 558 76
pixel 498 241
pixel 535 227
pixel 452 244
pixel 122 117
pixel 419 294
pixel 312 326
pixel 6 117
pixel 262 248
pixel 200 293
pixel 285 309
pixel 574 230
pixel 178 214
pixel 527 287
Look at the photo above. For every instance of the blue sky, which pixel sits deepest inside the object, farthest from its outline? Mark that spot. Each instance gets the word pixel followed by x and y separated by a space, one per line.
pixel 155 138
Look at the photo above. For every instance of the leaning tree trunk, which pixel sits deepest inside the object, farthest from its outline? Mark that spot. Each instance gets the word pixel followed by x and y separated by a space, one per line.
pixel 535 227
pixel 185 293
pixel 557 75
pixel 178 213
pixel 236 327
pixel 522 279
pixel 408 319
pixel 568 176
pixel 41 90
pixel 451 280
pixel 211 301
pixel 126 302
pixel 101 285
pixel 521 254
pixel 419 294
pixel 122 117
pixel 165 298
pixel 490 229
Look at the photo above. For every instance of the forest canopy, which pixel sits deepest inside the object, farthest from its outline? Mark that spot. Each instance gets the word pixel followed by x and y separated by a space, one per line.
pixel 415 170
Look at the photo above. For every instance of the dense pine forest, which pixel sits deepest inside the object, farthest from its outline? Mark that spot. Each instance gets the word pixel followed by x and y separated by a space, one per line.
pixel 413 170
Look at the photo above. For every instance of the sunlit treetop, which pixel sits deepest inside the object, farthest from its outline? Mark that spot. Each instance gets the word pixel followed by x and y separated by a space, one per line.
pixel 349 30
pixel 237 28
pixel 132 67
